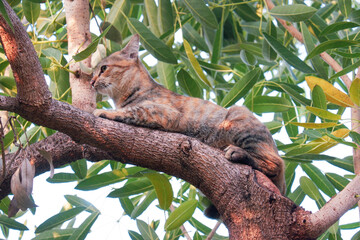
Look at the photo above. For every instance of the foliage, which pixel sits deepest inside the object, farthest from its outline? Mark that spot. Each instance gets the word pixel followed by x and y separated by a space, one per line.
pixel 229 52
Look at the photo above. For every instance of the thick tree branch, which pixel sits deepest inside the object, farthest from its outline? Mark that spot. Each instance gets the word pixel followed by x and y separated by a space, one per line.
pixel 249 209
pixel 28 74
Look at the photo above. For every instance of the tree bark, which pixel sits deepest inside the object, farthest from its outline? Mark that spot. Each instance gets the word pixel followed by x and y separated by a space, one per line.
pixel 250 205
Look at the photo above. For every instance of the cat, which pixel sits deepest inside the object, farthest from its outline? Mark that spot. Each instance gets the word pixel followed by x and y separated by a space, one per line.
pixel 140 101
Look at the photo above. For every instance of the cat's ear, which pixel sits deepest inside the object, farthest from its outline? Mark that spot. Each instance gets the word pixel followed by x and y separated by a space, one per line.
pixel 131 50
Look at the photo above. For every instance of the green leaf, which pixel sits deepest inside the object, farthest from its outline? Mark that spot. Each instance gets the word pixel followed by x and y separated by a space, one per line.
pixel 146 231
pixel 97 167
pixel 101 180
pixel 241 87
pixel 126 205
pixel 79 202
pixel 188 84
pixel 63 178
pixel 268 52
pixel 263 104
pixel 150 196
pixel 345 7
pixel 55 234
pixel 193 37
pixel 323 113
pixel 58 219
pixel 218 42
pixel 289 57
pixel 11 223
pixel 163 189
pixel 151 43
pixel 91 48
pixel 319 179
pixel 135 236
pixel 346 70
pixel 291 89
pixel 355 16
pixel 315 125
pixel 248 58
pixel 316 61
pixel 355 91
pixel 290 116
pixel 115 16
pixel 338 26
pixel 82 231
pixel 152 16
pixel 350 225
pixel 132 188
pixel 201 13
pixel 5 15
pixel 195 64
pixel 297 196
pixel 166 75
pixel 80 168
pixel 311 190
pixel 31 10
pixel 293 13
pixel 337 181
pixel 165 16
pixel 331 44
pixel 180 215
pixel 318 97
pixel 355 137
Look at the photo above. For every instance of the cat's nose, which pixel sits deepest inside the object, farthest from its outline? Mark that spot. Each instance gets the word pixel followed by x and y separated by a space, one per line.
pixel 92 82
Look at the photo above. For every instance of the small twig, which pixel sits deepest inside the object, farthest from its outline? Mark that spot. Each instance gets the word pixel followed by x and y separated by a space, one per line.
pixel 2 150
pixel 213 231
pixel 183 229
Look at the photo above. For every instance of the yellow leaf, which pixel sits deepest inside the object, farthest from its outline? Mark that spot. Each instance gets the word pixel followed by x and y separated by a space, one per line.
pixel 355 91
pixel 333 94
pixel 323 113
pixel 195 64
pixel 314 125
pixel 325 142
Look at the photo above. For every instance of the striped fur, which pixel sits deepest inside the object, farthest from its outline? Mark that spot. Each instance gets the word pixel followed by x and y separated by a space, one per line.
pixel 141 101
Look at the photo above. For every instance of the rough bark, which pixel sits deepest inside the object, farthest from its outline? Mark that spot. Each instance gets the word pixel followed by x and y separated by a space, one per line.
pixel 248 206
pixel 79 37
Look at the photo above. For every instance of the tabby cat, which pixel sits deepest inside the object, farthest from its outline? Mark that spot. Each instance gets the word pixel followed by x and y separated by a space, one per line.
pixel 141 101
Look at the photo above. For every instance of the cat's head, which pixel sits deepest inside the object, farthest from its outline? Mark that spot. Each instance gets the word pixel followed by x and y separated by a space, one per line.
pixel 114 69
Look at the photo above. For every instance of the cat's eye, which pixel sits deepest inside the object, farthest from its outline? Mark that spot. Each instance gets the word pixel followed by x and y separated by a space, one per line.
pixel 103 69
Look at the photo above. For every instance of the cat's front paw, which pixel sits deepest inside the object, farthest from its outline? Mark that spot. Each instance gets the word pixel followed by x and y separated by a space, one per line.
pixel 100 113
pixel 238 155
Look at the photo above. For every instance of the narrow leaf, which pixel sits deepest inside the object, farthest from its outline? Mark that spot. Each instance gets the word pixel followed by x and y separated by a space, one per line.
pixel 311 190
pixel 55 234
pixel 345 7
pixel 82 231
pixel 11 223
pixel 80 168
pixel 332 94
pixel 297 196
pixel 193 37
pixel 268 52
pixel 318 97
pixel 165 16
pixel 135 236
pixel 91 48
pixel 188 84
pixel 241 87
pixel 132 188
pixel 314 125
pixel 31 10
pixel 58 219
pixel 293 13
pixel 180 215
pixel 346 70
pixel 319 179
pixel 323 113
pixel 79 202
pixel 262 104
pixel 316 61
pixel 63 178
pixel 201 13
pixel 152 16
pixel 151 43
pixel 146 231
pixel 338 181
pixel 101 180
pixel 289 57
pixel 355 91
pixel 163 189
pixel 331 44
pixel 338 26
pixel 166 75
pixel 143 205
pixel 194 63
